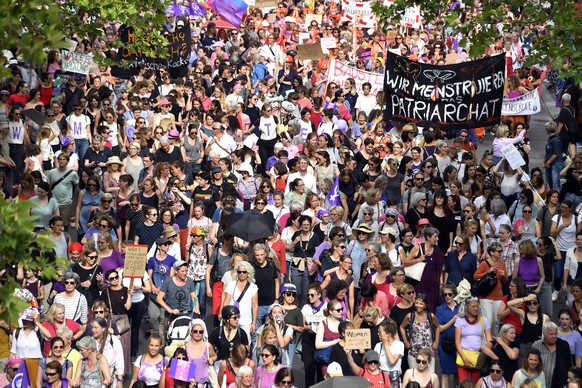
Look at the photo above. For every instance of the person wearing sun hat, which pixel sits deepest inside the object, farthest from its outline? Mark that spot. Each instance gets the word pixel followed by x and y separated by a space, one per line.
pixel 357 250
pixel 174 250
pixel 10 368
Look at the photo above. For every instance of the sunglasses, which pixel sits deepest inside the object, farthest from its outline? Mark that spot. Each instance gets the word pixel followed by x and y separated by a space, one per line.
pixel 290 294
pixel 423 362
pixel 58 347
pixel 15 369
pixel 99 312
pixel 411 293
pixel 466 211
pixel 526 211
pixel 286 382
pixel 113 278
pixel 311 295
pixel 339 310
pixel 235 317
pixel 92 257
pixel 532 303
pixel 241 272
pixel 373 362
pixel 447 293
pixel 50 374
pixel 458 243
pixel 340 235
pixel 495 371
pixel 104 226
pixel 70 283
pixel 197 331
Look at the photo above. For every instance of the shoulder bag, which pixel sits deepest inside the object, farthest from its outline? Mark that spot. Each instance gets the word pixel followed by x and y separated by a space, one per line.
pixel 485 285
pixel 415 271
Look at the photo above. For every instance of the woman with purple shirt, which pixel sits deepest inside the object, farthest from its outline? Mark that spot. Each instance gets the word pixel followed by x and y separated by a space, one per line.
pixel 109 257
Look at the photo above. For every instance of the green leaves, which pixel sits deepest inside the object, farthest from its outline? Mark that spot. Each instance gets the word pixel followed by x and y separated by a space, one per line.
pixel 36 25
pixel 20 247
pixel 558 43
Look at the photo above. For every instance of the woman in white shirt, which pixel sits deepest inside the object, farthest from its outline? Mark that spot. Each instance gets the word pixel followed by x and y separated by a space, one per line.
pixel 110 347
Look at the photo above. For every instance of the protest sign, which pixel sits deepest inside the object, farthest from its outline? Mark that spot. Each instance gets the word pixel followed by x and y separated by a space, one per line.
pixel 358 339
pixel 512 156
pixel 136 257
pixel 327 43
pixel 75 62
pixel 309 51
pixel 310 17
pixel 352 10
pixel 463 95
pixel 452 58
pixel 339 72
pixel 177 60
pixel 272 18
pixel 391 35
pixel 411 18
pixel 182 370
pixel 36 116
pixel 527 104
pixel 262 4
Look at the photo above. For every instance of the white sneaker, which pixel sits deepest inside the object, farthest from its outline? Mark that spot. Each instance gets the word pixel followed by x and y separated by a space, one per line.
pixel 555 295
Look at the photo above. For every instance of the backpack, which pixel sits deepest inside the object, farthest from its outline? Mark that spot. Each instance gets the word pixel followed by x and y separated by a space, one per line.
pixel 409 328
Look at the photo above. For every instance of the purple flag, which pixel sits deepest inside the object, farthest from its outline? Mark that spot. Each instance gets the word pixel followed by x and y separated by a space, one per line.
pixel 230 10
pixel 195 9
pixel 334 194
pixel 21 379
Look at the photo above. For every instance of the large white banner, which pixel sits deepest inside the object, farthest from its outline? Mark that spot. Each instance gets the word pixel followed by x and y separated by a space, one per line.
pixel 351 10
pixel 527 104
pixel 76 62
pixel 339 72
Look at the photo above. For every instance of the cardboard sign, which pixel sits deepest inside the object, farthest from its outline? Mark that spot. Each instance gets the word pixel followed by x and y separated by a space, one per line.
pixel 453 58
pixel 512 156
pixel 182 370
pixel 272 18
pixel 76 62
pixel 262 4
pixel 358 339
pixel 391 35
pixel 310 17
pixel 136 257
pixel 339 72
pixel 309 51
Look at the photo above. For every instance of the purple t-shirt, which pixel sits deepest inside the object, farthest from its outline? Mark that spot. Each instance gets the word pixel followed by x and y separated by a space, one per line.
pixel 112 262
pixel 164 266
pixel 472 335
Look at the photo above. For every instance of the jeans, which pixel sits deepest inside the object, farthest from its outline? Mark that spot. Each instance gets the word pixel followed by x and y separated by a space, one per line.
pixel 301 281
pixel 489 309
pixel 136 313
pixel 553 175
pixel 559 271
pixel 546 303
pixel 201 292
pixel 17 156
pixel 81 145
pixel 576 199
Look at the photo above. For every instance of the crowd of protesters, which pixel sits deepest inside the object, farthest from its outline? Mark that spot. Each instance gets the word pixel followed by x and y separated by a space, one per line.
pixel 164 162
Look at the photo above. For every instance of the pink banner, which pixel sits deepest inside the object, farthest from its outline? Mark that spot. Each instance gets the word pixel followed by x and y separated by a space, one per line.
pixel 339 72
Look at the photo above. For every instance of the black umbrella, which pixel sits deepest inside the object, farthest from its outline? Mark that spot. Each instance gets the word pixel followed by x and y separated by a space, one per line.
pixel 343 381
pixel 250 225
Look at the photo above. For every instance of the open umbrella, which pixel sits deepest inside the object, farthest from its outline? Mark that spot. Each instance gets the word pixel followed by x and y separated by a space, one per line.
pixel 344 381
pixel 221 24
pixel 250 225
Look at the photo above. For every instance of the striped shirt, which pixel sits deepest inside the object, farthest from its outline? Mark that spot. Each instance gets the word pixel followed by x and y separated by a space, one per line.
pixel 75 307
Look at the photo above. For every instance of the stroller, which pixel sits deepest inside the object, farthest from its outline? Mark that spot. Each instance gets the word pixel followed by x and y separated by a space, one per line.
pixel 177 333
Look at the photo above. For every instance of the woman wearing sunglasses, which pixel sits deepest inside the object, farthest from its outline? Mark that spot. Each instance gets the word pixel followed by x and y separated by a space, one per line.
pixel 421 373
pixel 495 377
pixel 57 345
pixel 265 374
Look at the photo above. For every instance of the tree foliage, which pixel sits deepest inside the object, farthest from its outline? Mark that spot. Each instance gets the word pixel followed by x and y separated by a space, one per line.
pixel 19 246
pixel 32 26
pixel 558 24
